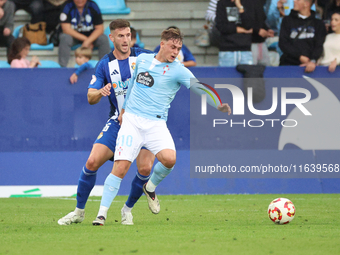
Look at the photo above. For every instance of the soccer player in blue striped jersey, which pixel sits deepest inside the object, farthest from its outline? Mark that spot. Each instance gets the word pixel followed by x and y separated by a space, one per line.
pixel 152 88
pixel 111 80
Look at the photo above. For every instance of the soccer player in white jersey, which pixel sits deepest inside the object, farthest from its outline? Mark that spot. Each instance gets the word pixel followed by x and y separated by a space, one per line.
pixel 111 80
pixel 154 85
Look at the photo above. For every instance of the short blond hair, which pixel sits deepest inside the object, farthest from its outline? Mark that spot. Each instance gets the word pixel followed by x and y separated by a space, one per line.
pixel 83 51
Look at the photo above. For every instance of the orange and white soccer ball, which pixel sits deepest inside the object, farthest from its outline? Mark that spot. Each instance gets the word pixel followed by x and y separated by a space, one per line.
pixel 281 211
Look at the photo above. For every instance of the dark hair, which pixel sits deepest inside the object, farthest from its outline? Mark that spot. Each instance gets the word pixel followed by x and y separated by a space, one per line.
pixel 172 34
pixel 119 23
pixel 174 27
pixel 133 33
pixel 16 47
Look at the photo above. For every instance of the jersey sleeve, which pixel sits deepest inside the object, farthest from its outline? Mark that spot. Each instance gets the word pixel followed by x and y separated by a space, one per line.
pixel 184 76
pixel 65 16
pixel 98 79
pixel 82 68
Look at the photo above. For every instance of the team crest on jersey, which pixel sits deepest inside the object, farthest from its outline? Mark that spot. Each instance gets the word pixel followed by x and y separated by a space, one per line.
pixel 145 78
pixel 133 65
pixel 120 149
pixel 100 135
pixel 165 69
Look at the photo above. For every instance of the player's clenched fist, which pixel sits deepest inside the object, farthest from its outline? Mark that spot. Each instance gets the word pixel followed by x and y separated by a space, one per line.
pixel 224 108
pixel 106 90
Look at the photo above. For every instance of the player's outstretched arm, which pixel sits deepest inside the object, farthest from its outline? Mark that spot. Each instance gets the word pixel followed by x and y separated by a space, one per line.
pixel 94 95
pixel 213 98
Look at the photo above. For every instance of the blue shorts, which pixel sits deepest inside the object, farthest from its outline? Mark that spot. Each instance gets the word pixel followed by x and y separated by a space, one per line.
pixel 108 135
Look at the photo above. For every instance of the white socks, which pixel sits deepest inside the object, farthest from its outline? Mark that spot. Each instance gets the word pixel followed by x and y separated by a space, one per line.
pixel 126 208
pixel 103 211
pixel 79 212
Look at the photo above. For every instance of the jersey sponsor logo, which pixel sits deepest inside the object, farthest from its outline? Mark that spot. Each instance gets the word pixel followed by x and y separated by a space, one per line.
pixel 120 84
pixel 115 72
pixel 146 79
pixel 121 93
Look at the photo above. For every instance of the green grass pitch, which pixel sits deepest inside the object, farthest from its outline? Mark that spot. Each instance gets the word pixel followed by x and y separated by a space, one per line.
pixel 195 224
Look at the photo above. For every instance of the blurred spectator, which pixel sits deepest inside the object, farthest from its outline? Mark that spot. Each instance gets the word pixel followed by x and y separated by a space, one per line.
pixel 210 15
pixel 260 33
pixel 18 53
pixel 277 10
pixel 133 38
pixel 235 21
pixel 82 23
pixel 52 10
pixel 185 56
pixel 6 23
pixel 302 36
pixel 331 47
pixel 83 55
pixel 33 7
pixel 332 7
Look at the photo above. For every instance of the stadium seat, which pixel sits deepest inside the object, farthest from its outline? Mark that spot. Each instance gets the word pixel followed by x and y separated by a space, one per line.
pixel 107 32
pixel 74 47
pixel 273 46
pixel 139 43
pixel 92 62
pixel 34 46
pixel 113 7
pixel 4 64
pixel 48 64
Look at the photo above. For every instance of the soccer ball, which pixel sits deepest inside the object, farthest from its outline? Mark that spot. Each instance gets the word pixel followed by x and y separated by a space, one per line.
pixel 281 211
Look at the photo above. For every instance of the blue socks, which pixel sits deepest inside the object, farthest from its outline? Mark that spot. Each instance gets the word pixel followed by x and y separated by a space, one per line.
pixel 136 189
pixel 86 183
pixel 111 187
pixel 159 173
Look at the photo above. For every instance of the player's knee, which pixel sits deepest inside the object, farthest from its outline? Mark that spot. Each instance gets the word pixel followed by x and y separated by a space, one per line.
pixel 144 169
pixel 120 168
pixel 169 161
pixel 92 164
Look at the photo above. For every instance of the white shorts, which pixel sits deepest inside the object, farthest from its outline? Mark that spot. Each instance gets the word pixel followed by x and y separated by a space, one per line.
pixel 137 132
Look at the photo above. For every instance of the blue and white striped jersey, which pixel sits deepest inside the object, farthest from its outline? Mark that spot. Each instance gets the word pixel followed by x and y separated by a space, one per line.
pixel 117 72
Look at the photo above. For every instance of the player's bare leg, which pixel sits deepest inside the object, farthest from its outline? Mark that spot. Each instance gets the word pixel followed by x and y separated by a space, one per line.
pixel 111 187
pixel 144 162
pixel 167 160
